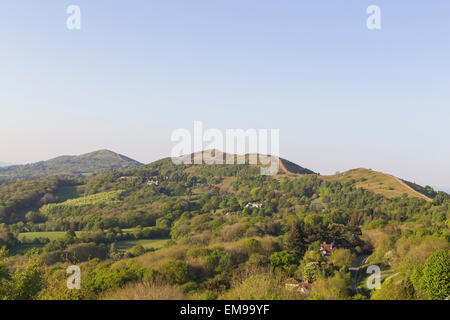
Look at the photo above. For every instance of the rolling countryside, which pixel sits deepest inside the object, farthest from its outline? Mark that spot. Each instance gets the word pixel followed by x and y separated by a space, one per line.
pixel 223 231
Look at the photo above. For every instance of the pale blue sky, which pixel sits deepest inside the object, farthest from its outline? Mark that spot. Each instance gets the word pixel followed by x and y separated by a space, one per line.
pixel 342 96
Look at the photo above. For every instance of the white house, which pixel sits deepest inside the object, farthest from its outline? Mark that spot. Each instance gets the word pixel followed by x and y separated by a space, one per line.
pixel 258 206
pixel 152 182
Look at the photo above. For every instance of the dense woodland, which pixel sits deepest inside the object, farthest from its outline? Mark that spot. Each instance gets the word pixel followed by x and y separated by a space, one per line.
pixel 217 246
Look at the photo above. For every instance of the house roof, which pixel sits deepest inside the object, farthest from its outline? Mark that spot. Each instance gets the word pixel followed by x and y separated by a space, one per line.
pixel 305 285
pixel 327 247
pixel 292 281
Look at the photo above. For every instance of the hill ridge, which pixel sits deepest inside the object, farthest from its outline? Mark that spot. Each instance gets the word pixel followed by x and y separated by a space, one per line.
pixel 285 165
pixel 378 182
pixel 67 165
pixel 105 160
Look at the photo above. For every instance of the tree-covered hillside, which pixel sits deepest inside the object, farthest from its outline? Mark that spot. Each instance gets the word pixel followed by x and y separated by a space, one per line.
pixel 68 166
pixel 166 231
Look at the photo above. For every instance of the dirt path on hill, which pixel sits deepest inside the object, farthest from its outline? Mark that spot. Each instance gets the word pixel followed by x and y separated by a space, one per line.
pixel 408 187
pixel 282 167
pixel 391 276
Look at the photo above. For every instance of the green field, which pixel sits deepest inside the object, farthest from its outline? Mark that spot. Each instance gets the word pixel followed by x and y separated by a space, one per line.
pixel 52 235
pixel 146 243
pixel 129 230
pixel 124 245
pixel 94 199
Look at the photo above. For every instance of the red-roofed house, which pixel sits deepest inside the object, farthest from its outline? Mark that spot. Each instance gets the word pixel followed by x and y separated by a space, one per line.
pixel 327 249
pixel 304 287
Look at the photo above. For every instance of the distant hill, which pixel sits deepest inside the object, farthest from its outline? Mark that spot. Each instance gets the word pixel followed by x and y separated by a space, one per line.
pixel 73 166
pixel 443 189
pixel 378 182
pixel 291 167
pixel 284 165
pixel 105 160
pixel 381 183
pixel 5 164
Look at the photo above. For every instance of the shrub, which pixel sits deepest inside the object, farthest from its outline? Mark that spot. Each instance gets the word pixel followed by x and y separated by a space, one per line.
pixel 137 250
pixel 311 271
pixel 86 251
pixel 391 290
pixel 257 259
pixel 176 271
pixel 259 284
pixel 436 276
pixel 253 246
pixel 335 288
pixel 189 287
pixel 102 277
pixel 342 258
pixel 23 284
pixel 283 259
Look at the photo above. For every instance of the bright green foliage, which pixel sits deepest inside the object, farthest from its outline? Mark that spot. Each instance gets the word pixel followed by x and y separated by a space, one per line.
pixel 103 198
pixel 217 260
pixel 100 277
pixel 137 250
pixel 253 245
pixel 213 241
pixel 391 290
pixel 337 287
pixel 342 258
pixel 24 284
pixel 311 271
pixel 436 276
pixel 284 259
pixel 176 272
pixel 4 272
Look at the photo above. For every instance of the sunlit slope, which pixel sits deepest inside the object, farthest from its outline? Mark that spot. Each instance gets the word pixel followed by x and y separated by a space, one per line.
pixel 212 156
pixel 378 182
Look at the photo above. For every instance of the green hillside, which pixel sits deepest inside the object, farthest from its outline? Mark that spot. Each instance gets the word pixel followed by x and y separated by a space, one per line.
pixel 208 156
pixel 69 166
pixel 223 232
pixel 378 182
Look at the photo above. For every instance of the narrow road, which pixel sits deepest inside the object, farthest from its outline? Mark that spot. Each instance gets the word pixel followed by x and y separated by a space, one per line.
pixel 354 272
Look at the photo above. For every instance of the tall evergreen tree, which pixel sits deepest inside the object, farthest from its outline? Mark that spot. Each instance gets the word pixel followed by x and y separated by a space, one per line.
pixel 295 240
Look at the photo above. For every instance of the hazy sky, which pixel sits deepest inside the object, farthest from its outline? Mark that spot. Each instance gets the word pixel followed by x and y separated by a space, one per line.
pixel 342 96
